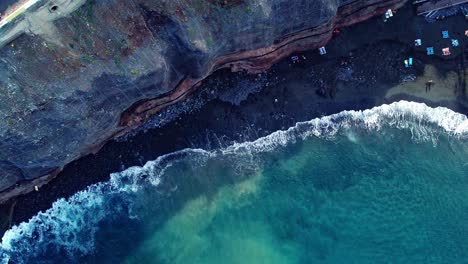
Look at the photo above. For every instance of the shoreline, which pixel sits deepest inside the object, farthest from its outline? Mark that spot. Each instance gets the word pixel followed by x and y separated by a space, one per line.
pixel 288 95
pixel 253 61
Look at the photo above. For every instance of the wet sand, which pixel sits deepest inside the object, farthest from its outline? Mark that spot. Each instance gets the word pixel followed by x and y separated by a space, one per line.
pixel 363 68
pixel 442 88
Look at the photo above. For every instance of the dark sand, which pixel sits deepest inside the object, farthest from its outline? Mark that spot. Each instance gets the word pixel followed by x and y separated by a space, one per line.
pixel 362 65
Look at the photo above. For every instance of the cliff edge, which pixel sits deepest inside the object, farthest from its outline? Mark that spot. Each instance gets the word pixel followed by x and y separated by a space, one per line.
pixel 76 73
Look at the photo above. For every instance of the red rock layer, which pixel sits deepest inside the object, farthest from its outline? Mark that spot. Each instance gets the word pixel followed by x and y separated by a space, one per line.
pixel 252 61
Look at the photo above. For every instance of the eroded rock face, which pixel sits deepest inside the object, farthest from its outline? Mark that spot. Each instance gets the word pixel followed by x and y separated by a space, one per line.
pixel 113 63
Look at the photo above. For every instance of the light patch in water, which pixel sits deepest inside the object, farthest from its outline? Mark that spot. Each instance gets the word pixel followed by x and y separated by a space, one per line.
pixel 352 137
pixel 188 237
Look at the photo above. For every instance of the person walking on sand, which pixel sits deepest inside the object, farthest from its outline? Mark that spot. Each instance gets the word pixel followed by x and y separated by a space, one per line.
pixel 429 85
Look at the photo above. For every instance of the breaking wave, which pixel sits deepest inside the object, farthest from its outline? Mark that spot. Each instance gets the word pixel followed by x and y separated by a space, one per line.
pixel 70 226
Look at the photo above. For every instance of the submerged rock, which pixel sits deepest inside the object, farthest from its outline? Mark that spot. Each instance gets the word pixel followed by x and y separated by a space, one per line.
pixel 75 74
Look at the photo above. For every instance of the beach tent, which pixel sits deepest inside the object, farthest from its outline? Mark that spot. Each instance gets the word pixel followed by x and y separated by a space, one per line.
pixel 445 34
pixel 322 51
pixel 409 62
pixel 446 51
pixel 430 50
pixel 388 15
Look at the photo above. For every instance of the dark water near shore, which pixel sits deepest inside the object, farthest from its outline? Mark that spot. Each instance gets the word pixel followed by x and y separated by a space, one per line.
pixel 384 185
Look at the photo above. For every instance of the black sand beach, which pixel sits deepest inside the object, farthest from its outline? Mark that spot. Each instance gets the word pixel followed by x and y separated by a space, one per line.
pixel 363 64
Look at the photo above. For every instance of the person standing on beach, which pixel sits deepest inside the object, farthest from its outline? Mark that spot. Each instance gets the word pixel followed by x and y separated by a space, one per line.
pixel 429 85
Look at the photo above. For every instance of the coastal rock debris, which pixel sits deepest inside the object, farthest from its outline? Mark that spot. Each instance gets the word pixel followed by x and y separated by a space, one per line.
pixel 105 67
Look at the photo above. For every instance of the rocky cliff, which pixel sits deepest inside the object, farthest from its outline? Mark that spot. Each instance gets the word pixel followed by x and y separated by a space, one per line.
pixel 77 73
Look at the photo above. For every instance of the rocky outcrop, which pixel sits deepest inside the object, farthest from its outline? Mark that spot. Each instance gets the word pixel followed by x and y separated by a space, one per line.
pixel 111 64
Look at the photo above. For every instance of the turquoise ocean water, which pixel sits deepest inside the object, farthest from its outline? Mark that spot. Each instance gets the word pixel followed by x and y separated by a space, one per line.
pixel 386 185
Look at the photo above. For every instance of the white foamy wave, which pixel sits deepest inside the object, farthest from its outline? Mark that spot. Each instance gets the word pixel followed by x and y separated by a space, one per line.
pixel 71 224
pixel 424 123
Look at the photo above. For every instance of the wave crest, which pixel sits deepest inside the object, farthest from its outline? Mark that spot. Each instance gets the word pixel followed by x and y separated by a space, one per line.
pixel 424 123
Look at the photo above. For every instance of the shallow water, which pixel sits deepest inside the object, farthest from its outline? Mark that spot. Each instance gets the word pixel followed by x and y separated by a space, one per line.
pixel 380 186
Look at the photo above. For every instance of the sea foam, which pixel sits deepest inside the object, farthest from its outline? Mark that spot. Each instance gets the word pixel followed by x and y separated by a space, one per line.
pixel 71 224
pixel 424 123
